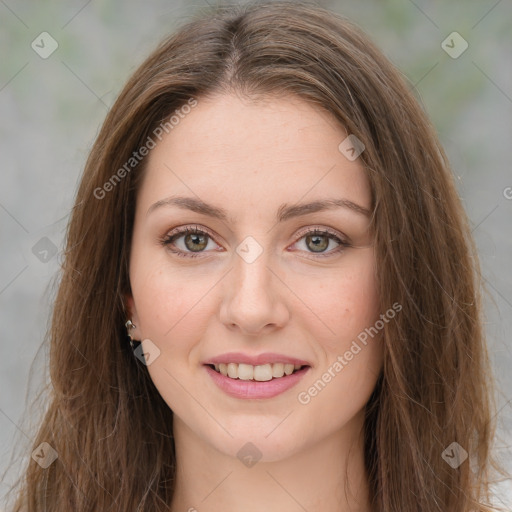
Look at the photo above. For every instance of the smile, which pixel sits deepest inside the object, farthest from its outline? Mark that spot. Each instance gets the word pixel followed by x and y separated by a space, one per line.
pixel 259 373
pixel 255 382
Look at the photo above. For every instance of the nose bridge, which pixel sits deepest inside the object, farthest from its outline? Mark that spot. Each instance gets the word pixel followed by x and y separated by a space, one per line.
pixel 251 274
pixel 251 298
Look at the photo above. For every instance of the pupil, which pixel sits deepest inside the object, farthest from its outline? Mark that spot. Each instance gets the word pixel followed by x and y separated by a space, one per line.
pixel 194 237
pixel 319 242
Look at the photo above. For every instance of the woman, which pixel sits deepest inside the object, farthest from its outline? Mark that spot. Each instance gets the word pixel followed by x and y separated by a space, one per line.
pixel 270 214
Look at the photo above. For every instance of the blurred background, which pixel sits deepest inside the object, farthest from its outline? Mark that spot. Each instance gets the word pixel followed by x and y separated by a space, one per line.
pixel 62 65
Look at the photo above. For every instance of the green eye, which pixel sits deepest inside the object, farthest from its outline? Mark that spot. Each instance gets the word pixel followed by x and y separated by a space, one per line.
pixel 195 242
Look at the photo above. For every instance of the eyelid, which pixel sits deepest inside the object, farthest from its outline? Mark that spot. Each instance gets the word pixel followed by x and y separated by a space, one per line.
pixel 192 228
pixel 341 236
pixel 310 230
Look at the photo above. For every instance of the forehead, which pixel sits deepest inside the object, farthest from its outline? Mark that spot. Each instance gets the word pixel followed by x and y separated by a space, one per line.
pixel 240 148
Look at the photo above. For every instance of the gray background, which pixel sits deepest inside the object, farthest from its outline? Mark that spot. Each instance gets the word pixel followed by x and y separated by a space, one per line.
pixel 51 110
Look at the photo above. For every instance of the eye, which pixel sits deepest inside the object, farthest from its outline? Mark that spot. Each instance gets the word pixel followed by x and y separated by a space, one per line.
pixel 317 241
pixel 195 241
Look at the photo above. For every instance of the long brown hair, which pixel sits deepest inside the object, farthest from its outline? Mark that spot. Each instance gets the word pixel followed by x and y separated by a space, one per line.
pixel 111 429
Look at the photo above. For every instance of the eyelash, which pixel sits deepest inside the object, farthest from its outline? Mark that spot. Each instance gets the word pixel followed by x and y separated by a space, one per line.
pixel 167 240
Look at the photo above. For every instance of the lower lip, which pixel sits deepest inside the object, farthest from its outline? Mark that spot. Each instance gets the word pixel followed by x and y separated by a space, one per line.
pixel 254 389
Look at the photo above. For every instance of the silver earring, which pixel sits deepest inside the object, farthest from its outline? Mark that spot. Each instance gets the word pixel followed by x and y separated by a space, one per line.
pixel 129 326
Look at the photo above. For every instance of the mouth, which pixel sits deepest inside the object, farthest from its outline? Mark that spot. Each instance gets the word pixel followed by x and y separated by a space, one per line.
pixel 257 373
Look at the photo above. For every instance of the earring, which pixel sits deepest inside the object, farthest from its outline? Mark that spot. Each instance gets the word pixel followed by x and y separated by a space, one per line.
pixel 129 326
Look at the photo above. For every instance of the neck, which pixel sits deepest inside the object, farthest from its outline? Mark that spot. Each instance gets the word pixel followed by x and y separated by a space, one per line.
pixel 327 476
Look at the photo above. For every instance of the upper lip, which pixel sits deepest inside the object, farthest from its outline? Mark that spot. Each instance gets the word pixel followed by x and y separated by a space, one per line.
pixel 255 360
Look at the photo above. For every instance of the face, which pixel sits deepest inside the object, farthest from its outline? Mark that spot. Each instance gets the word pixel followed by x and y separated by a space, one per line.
pixel 258 279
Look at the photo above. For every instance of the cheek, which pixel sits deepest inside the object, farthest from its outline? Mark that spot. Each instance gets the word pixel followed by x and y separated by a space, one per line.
pixel 168 300
pixel 348 301
pixel 350 359
pixel 169 307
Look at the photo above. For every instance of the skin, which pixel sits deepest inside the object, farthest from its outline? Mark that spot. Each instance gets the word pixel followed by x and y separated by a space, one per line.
pixel 249 157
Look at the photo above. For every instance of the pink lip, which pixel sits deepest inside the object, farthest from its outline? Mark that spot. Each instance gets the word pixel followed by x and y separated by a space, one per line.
pixel 254 389
pixel 267 357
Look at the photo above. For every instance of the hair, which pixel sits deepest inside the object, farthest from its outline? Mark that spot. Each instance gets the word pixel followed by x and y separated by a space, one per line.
pixel 106 420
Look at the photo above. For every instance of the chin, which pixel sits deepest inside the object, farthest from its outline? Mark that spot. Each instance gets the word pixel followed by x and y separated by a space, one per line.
pixel 269 440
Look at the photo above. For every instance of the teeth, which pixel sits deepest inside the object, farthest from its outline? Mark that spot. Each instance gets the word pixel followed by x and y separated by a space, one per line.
pixel 245 371
pixel 277 370
pixel 288 369
pixel 232 370
pixel 261 373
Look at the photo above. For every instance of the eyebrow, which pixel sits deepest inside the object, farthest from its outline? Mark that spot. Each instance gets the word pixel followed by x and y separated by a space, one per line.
pixel 284 212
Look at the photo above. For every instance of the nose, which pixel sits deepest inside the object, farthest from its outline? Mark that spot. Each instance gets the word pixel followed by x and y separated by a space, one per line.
pixel 254 298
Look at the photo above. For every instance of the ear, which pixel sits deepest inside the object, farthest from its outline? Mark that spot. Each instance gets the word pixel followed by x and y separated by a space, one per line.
pixel 131 312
